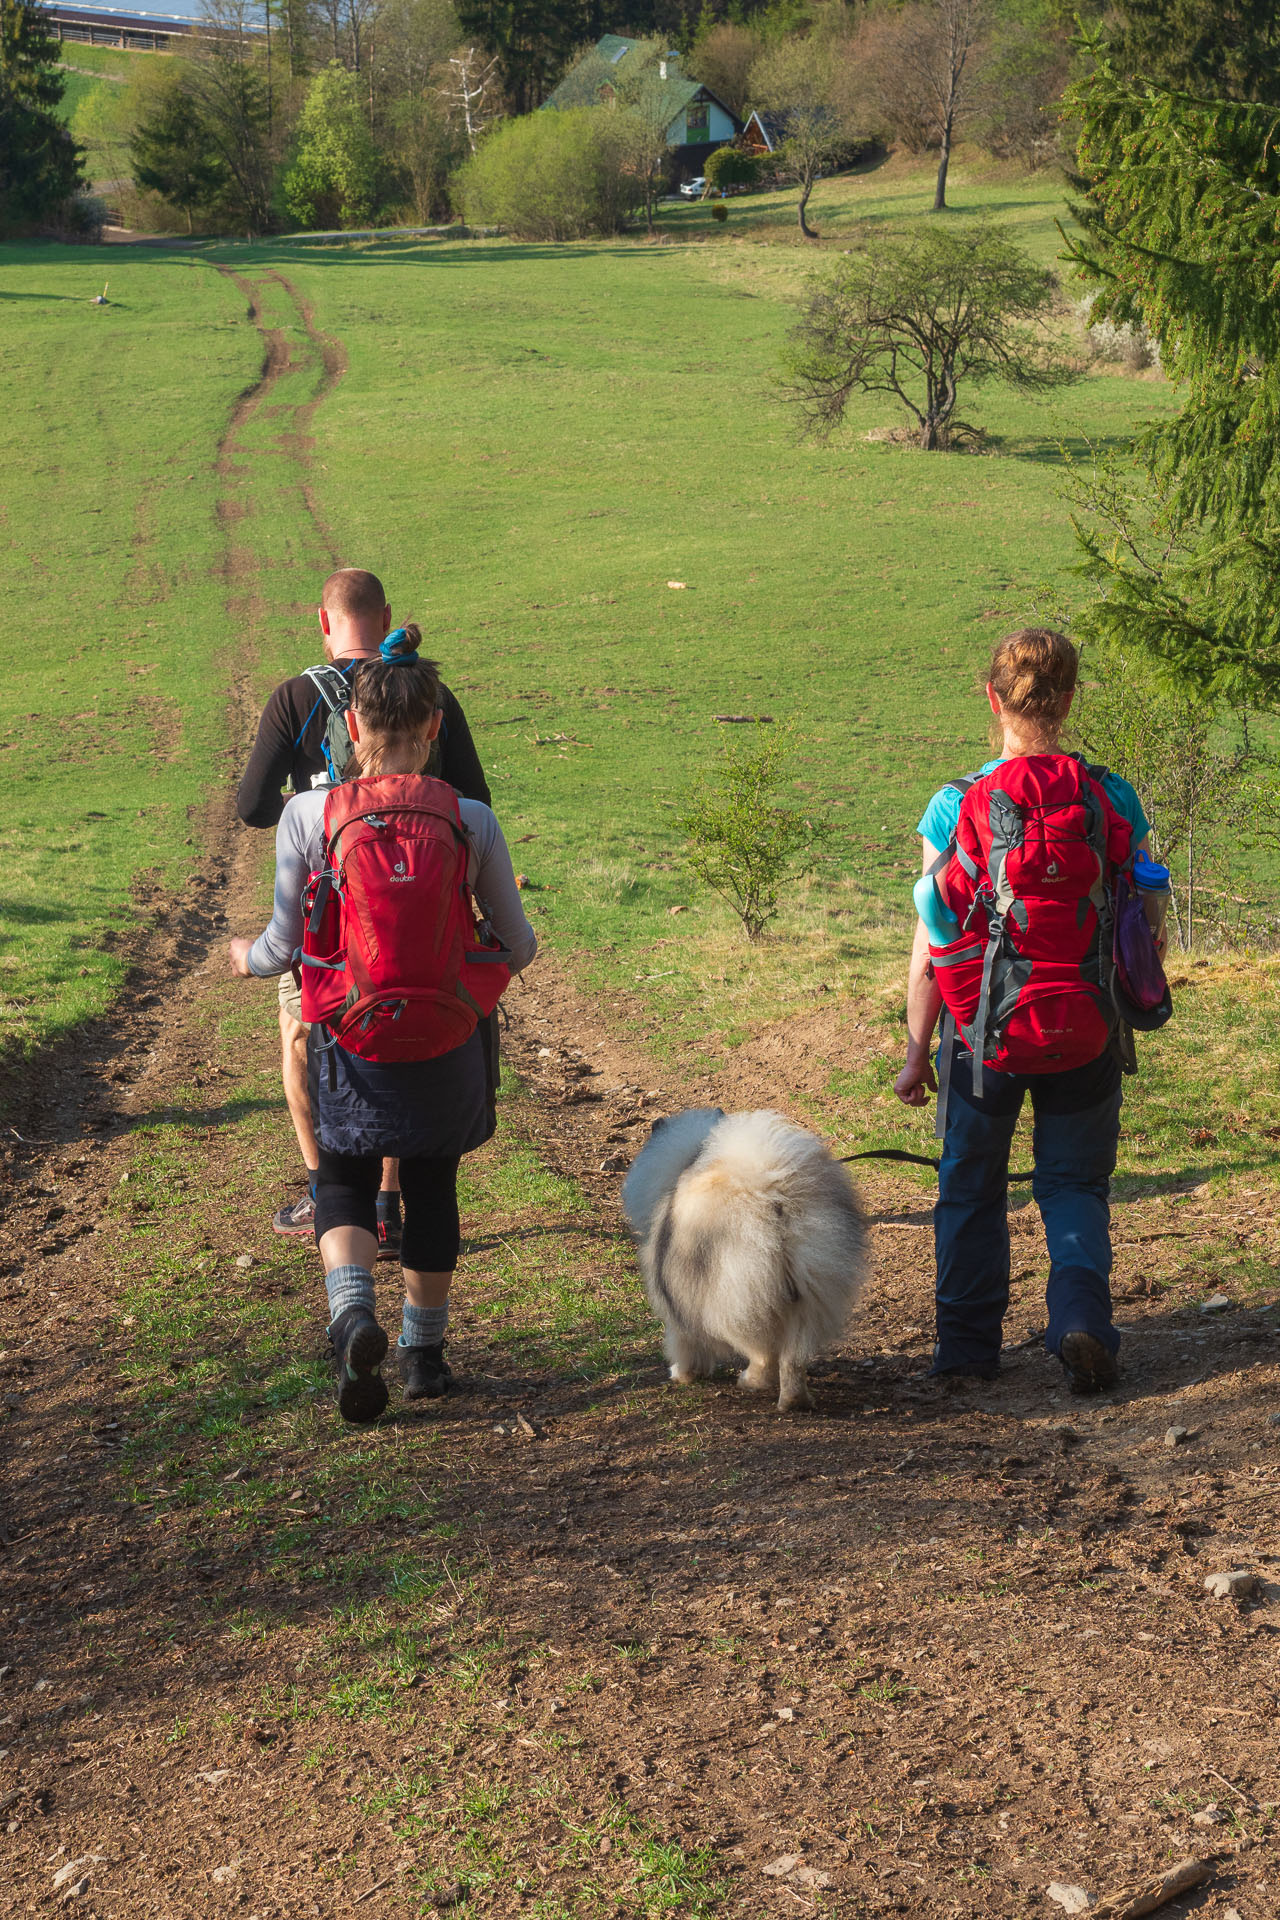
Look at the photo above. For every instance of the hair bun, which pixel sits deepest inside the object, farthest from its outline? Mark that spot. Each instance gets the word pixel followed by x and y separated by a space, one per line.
pixel 401 645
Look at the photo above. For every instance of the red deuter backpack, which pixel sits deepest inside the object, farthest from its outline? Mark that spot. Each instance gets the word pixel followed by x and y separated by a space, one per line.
pixel 393 963
pixel 1030 877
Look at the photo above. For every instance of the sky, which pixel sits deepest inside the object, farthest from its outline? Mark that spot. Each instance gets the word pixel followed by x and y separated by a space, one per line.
pixel 182 9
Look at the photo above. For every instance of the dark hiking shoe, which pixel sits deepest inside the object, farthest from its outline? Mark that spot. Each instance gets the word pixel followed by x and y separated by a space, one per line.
pixel 299 1220
pixel 424 1371
pixel 359 1349
pixel 390 1235
pixel 967 1370
pixel 1088 1365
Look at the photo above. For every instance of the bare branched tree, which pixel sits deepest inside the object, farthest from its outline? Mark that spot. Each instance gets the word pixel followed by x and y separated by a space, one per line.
pixel 471 91
pixel 796 82
pixel 642 95
pixel 920 314
pixel 924 66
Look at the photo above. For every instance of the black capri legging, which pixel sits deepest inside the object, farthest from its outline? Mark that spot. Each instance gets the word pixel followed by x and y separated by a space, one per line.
pixel 347 1196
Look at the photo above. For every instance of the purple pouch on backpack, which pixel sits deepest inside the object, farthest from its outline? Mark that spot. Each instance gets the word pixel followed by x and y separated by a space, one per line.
pixel 1142 992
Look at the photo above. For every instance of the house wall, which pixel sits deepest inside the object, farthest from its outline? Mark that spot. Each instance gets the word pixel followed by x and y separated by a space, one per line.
pixel 720 128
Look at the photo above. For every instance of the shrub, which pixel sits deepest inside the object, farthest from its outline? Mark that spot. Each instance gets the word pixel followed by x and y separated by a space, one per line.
pixel 720 212
pixel 742 843
pixel 1206 787
pixel 335 178
pixel 551 176
pixel 730 167
pixel 1125 342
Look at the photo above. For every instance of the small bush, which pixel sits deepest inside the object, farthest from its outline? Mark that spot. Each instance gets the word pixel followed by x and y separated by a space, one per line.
pixel 720 212
pixel 79 219
pixel 551 175
pixel 1119 342
pixel 742 843
pixel 730 167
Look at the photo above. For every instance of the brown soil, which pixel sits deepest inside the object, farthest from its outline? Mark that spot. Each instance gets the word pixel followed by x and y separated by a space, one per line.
pixel 944 1647
pixel 937 1648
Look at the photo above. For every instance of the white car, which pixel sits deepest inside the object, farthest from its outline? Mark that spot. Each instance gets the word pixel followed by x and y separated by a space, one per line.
pixel 694 189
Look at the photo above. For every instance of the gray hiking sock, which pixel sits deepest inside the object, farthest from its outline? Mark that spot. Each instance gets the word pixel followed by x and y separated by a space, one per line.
pixel 423 1326
pixel 349 1287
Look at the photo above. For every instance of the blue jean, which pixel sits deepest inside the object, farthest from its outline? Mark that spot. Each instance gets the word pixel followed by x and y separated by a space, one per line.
pixel 1077 1127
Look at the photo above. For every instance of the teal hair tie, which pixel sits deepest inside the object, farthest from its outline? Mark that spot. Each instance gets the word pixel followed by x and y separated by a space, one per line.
pixel 397 647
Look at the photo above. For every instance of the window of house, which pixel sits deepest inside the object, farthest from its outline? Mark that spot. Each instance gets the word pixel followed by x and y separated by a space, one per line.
pixel 697 122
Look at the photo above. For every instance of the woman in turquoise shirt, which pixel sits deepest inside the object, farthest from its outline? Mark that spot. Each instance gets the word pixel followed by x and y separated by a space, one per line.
pixel 1077 1112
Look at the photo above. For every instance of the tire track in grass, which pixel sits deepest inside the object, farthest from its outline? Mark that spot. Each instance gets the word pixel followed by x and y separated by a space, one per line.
pixel 67 1523
pixel 292 346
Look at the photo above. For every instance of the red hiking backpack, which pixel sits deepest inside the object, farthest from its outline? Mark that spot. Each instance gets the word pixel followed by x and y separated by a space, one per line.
pixel 393 964
pixel 1029 877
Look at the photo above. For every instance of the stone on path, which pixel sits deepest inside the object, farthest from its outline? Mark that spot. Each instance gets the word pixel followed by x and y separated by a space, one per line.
pixel 1070 1899
pixel 1239 1585
pixel 74 1869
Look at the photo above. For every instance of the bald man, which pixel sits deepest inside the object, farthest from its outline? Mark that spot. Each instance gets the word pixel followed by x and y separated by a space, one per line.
pixel 354 618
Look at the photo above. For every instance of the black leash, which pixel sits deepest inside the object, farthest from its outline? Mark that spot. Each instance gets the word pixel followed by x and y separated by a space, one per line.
pixel 916 1160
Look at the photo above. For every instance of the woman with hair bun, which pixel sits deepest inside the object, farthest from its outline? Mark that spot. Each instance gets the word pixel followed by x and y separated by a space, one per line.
pixel 1014 933
pixel 401 1065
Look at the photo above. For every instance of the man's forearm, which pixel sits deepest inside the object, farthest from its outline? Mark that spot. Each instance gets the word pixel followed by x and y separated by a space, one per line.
pixel 259 798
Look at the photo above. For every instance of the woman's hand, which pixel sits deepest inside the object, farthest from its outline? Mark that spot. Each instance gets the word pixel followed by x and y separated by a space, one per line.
pixel 916 1082
pixel 238 950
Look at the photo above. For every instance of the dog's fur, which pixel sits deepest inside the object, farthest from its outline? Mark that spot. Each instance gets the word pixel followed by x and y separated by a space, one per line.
pixel 751 1242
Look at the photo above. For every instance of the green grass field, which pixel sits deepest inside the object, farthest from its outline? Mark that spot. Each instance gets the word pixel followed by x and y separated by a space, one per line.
pixel 531 444
pixel 92 73
pixel 115 701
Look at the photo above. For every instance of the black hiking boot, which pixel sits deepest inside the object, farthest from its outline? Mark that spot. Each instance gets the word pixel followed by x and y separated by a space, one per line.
pixel 424 1372
pixel 1089 1367
pixel 359 1349
pixel 390 1237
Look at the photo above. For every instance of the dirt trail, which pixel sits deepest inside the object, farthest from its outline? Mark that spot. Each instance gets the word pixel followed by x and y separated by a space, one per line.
pixel 923 1653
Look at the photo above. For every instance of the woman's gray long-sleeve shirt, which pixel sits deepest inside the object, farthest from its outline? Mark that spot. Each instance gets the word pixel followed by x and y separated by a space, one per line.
pixel 299 848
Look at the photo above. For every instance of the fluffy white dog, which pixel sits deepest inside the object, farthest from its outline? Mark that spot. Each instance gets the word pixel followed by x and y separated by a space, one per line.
pixel 751 1242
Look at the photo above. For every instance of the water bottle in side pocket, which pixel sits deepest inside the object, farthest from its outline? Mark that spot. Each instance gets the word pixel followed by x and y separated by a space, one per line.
pixel 1152 883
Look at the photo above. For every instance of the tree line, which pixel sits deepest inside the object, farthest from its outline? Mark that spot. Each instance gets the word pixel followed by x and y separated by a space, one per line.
pixel 345 112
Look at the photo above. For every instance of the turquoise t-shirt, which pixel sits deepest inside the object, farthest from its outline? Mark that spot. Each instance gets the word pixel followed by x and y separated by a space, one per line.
pixel 938 822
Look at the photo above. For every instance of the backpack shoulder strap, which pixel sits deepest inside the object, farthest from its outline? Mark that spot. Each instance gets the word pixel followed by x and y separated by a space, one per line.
pixel 1094 768
pixel 332 684
pixel 332 688
pixel 960 785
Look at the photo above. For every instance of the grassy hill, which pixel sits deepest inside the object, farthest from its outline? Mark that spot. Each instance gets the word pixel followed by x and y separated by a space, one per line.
pixel 90 71
pixel 532 444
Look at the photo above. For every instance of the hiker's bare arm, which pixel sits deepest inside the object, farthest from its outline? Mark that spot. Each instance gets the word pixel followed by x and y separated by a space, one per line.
pixel 916 1081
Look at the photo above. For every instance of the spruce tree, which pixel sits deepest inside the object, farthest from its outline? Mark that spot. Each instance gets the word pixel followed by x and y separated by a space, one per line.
pixel 39 161
pixel 1227 50
pixel 1181 230
pixel 174 154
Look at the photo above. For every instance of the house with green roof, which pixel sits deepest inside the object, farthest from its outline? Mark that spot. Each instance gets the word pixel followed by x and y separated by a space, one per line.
pixel 697 121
